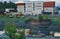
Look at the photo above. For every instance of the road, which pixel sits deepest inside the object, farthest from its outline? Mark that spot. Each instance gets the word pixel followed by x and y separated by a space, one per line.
pixel 43 38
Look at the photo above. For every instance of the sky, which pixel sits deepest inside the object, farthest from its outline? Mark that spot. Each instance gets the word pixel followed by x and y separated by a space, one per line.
pixel 57 1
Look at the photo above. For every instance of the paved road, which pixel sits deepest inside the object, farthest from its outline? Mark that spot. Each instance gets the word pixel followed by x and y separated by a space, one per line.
pixel 43 38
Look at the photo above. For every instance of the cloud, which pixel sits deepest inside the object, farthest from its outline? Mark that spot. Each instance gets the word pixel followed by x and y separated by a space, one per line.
pixel 42 0
pixel 57 1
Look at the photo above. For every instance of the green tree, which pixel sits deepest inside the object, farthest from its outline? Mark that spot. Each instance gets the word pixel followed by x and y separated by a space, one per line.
pixel 5 4
pixel 40 17
pixel 23 34
pixel 10 29
pixel 45 16
pixel 20 35
pixel 12 5
pixel 1 5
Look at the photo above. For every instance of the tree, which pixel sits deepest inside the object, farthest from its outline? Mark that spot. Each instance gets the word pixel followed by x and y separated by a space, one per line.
pixel 5 4
pixel 1 5
pixel 10 29
pixel 20 34
pixel 45 17
pixel 12 5
pixel 23 34
pixel 40 17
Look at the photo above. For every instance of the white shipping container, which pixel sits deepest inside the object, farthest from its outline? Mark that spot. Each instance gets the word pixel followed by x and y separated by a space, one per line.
pixel 29 12
pixel 37 12
pixel 29 6
pixel 20 8
pixel 29 9
pixel 49 9
pixel 38 6
pixel 29 2
pixel 57 34
pixel 27 32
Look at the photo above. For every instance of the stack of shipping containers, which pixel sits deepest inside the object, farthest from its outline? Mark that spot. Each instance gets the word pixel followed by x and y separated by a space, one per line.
pixel 20 7
pixel 49 7
pixel 29 8
pixel 44 25
pixel 38 7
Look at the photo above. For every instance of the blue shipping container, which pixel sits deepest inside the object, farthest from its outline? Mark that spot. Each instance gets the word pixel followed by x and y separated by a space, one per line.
pixel 47 12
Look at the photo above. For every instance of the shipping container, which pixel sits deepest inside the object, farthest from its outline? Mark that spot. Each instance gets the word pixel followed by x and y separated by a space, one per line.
pixel 57 34
pixel 27 32
pixel 28 12
pixel 38 6
pixel 49 4
pixel 47 13
pixel 43 31
pixel 20 3
pixel 20 8
pixel 48 9
pixel 37 12
pixel 29 6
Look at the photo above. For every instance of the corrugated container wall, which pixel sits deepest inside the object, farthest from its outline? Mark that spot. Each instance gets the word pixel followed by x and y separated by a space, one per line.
pixel 49 7
pixel 49 4
pixel 38 7
pixel 20 7
pixel 29 7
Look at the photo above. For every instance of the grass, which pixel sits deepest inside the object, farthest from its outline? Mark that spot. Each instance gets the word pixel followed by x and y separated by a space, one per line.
pixel 7 19
pixel 23 19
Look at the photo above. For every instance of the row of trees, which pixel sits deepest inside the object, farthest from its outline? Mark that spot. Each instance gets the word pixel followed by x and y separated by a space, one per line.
pixel 41 17
pixel 4 5
pixel 11 30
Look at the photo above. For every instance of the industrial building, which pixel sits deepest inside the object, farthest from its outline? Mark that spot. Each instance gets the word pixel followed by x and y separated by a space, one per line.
pixel 36 7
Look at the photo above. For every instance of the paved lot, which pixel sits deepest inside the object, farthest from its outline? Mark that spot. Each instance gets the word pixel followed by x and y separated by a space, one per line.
pixel 43 38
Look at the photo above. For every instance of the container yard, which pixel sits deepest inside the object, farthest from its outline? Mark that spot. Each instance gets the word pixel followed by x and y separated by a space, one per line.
pixel 32 20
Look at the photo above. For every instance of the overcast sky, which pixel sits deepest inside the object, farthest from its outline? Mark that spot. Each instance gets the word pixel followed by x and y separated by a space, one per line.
pixel 57 1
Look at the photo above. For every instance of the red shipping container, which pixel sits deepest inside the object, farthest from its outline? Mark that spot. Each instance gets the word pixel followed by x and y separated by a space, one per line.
pixel 49 4
pixel 20 3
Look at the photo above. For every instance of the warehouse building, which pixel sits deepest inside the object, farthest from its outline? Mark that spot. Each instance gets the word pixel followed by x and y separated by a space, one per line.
pixel 36 7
